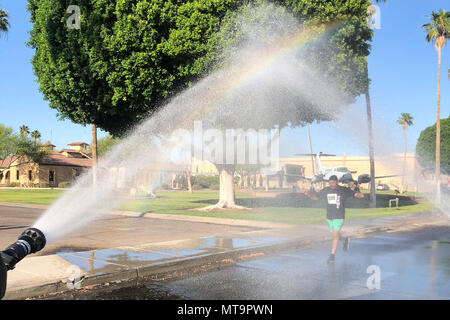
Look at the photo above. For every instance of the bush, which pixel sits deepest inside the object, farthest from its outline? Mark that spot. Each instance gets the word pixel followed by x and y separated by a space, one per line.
pixel 205 182
pixel 64 184
pixel 165 186
pixel 426 147
pixel 13 184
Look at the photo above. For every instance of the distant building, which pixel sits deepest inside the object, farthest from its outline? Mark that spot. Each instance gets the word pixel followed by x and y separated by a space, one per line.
pixel 291 168
pixel 59 166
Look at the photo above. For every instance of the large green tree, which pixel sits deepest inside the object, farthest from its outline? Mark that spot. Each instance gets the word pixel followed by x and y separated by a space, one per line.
pixel 8 141
pixel 126 58
pixel 20 145
pixel 426 147
pixel 337 56
pixel 129 57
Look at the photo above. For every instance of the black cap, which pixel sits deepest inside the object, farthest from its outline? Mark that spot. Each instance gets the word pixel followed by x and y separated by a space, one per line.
pixel 333 177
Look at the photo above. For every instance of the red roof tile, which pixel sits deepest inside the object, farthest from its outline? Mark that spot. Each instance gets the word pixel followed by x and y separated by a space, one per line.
pixel 56 158
pixel 5 163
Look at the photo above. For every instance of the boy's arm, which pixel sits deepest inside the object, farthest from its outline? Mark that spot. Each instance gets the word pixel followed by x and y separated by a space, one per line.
pixel 312 196
pixel 357 193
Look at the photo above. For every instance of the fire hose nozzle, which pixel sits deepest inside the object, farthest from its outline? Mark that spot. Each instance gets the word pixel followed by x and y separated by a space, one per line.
pixel 30 241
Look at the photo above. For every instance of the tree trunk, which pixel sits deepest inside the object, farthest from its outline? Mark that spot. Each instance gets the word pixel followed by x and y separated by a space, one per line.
pixel 373 195
pixel 94 153
pixel 438 133
pixel 310 151
pixel 188 178
pixel 227 197
pixel 404 159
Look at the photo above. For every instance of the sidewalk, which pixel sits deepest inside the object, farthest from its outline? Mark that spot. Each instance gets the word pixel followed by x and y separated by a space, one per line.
pixel 130 265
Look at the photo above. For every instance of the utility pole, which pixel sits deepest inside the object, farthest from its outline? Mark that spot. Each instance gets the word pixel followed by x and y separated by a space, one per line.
pixel 94 153
pixel 373 194
pixel 310 151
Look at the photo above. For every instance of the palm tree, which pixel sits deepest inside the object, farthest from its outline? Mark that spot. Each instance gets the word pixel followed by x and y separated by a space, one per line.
pixel 24 131
pixel 438 31
pixel 35 135
pixel 310 151
pixel 373 194
pixel 94 152
pixel 4 23
pixel 405 120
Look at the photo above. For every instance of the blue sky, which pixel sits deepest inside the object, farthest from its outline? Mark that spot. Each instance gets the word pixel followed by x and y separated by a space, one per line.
pixel 402 66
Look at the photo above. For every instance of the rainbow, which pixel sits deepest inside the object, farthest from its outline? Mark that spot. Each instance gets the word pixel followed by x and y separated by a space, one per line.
pixel 220 89
pixel 287 45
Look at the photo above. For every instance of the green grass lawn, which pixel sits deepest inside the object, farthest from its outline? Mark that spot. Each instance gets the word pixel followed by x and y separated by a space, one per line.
pixel 30 196
pixel 262 209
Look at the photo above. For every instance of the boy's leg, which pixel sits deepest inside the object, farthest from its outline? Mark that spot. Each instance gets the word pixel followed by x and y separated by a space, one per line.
pixel 335 234
pixel 345 240
pixel 335 226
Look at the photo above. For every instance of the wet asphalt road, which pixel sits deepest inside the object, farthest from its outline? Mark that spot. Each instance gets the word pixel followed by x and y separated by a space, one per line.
pixel 411 265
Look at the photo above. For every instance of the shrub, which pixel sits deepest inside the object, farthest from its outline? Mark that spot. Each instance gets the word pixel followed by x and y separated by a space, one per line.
pixel 203 182
pixel 13 184
pixel 426 147
pixel 64 184
pixel 165 186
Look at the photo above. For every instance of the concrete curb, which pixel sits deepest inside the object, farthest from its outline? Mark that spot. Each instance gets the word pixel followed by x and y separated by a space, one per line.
pixel 178 267
pixel 162 216
pixel 225 221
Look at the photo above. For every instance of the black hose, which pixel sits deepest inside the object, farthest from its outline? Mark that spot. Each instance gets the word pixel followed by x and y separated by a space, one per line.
pixel 30 241
pixel 2 278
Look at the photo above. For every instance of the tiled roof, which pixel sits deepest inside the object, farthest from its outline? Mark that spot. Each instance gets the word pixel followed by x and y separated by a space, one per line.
pixel 70 150
pixel 5 163
pixel 56 158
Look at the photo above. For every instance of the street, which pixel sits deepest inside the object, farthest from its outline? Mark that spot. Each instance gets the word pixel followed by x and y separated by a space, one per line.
pixel 411 265
pixel 107 231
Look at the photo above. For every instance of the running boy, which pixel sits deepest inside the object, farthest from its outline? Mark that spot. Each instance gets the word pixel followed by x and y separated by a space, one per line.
pixel 336 196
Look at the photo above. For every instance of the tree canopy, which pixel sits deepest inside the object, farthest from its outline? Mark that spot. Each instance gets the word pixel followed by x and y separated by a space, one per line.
pixel 8 141
pixel 4 22
pixel 105 144
pixel 128 57
pixel 426 147
pixel 20 145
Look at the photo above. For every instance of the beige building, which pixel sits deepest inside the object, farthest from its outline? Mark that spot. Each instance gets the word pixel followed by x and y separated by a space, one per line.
pixel 58 167
pixel 305 166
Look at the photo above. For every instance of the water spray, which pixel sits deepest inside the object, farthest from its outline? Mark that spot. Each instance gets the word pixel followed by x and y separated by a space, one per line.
pixel 30 241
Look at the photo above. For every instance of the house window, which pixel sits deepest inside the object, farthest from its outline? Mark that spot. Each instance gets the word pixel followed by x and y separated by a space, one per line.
pixel 17 175
pixel 51 176
pixel 30 175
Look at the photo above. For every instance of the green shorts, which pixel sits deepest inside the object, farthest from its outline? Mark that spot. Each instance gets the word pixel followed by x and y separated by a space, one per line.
pixel 335 224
